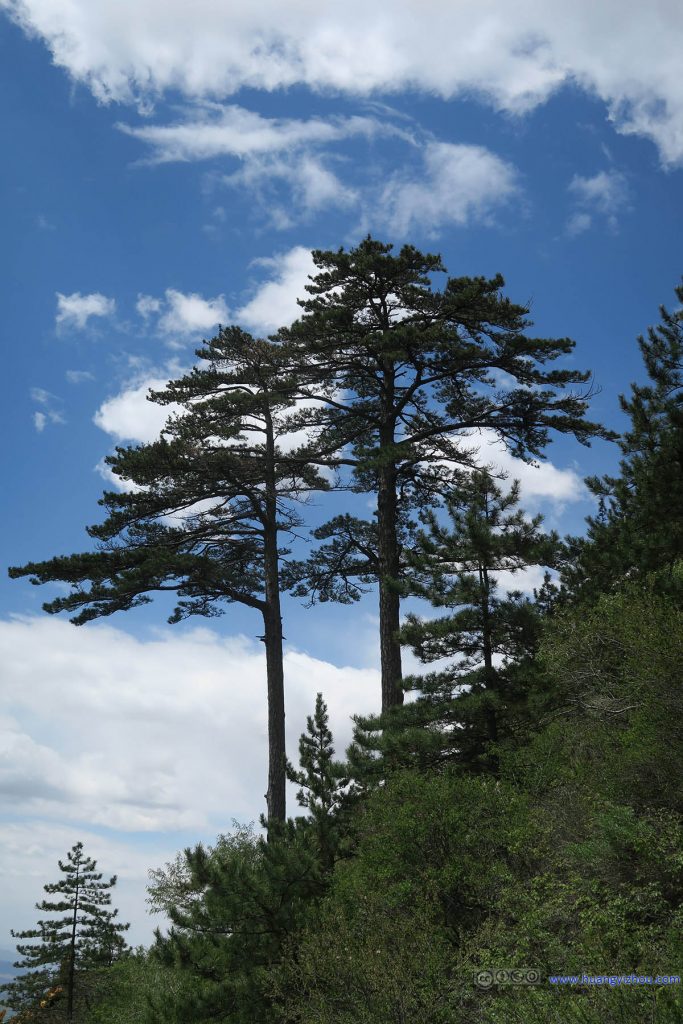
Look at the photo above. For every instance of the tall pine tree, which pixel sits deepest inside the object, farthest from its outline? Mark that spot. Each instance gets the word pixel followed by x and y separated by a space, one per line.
pixel 71 948
pixel 404 375
pixel 204 512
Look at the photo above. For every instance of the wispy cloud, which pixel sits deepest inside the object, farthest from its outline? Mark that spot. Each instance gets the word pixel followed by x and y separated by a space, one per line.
pixel 213 131
pixel 49 411
pixel 79 376
pixel 603 196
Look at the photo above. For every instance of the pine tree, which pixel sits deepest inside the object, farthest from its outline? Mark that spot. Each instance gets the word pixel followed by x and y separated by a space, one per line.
pixel 401 376
pixel 639 526
pixel 204 511
pixel 72 948
pixel 322 781
pixel 488 636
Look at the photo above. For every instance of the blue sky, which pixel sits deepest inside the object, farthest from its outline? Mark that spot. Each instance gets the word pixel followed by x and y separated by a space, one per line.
pixel 169 166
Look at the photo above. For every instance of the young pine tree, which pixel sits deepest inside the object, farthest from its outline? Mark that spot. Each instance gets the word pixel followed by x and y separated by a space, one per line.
pixel 322 782
pixel 85 938
pixel 639 528
pixel 204 511
pixel 487 636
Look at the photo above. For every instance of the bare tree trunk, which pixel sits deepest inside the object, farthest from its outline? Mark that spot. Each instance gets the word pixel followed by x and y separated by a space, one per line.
pixel 389 598
pixel 72 960
pixel 490 674
pixel 275 796
pixel 272 621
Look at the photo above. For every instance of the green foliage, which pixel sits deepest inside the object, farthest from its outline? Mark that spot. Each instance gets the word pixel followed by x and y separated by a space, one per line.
pixel 616 698
pixel 139 989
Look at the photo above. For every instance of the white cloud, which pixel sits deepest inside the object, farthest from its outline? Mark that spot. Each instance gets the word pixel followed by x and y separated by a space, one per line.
pixel 100 729
pixel 623 51
pixel 538 483
pixel 605 194
pixel 461 183
pixel 180 315
pixel 129 416
pixel 39 421
pixel 274 303
pixel 188 314
pixel 76 310
pixel 271 151
pixel 41 396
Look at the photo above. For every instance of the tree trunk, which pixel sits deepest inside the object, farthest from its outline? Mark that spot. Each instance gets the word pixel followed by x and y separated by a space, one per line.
pixel 490 674
pixel 389 598
pixel 272 622
pixel 71 981
pixel 275 797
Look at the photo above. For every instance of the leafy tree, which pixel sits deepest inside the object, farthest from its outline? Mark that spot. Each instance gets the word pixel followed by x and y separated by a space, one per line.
pixel 639 527
pixel 70 948
pixel 401 376
pixel 139 989
pixel 203 511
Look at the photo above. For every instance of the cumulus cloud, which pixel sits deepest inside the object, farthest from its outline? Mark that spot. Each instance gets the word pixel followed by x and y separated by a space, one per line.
pixel 121 731
pixel 605 195
pixel 130 416
pixel 182 315
pixel 188 314
pixel 461 183
pixel 274 303
pixel 75 310
pixel 625 53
